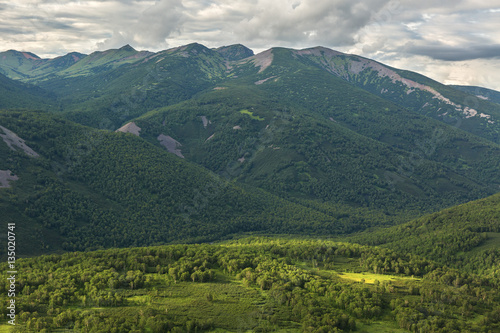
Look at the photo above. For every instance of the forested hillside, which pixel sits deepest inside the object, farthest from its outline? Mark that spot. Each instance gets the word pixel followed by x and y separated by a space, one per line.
pixel 285 141
pixel 252 284
pixel 109 88
pixel 466 237
pixel 139 160
pixel 16 94
pixel 310 135
pixel 90 189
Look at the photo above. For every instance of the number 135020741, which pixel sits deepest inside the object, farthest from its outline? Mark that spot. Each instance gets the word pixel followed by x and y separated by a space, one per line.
pixel 11 260
pixel 11 245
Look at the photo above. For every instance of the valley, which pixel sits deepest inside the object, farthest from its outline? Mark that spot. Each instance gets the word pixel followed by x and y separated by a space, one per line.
pixel 214 189
pixel 270 284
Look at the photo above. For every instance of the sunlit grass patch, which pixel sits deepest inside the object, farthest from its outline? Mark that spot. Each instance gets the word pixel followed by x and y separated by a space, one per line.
pixel 250 114
pixel 6 328
pixel 370 278
pixel 379 327
pixel 228 305
pixel 493 242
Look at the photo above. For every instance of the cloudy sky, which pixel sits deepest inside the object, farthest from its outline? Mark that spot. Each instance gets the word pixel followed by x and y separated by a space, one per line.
pixel 452 41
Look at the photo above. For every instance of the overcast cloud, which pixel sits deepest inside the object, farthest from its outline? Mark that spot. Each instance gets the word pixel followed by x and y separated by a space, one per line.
pixel 454 42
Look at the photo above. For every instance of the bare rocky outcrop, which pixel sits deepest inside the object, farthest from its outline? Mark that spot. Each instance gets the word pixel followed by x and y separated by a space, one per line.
pixel 346 66
pixel 356 67
pixel 130 128
pixel 205 121
pixel 262 60
pixel 5 177
pixel 264 80
pixel 13 141
pixel 171 144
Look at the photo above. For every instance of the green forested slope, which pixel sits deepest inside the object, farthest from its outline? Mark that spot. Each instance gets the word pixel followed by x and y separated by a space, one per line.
pixel 284 122
pixel 113 93
pixel 307 134
pixel 466 236
pixel 482 93
pixel 14 94
pixel 252 284
pixel 93 189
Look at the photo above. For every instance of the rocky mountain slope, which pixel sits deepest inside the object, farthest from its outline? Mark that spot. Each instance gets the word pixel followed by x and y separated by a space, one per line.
pixel 344 142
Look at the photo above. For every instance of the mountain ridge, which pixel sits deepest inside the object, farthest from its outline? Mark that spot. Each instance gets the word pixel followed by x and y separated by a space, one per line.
pixel 480 92
pixel 146 156
pixel 408 89
pixel 221 49
pixel 310 127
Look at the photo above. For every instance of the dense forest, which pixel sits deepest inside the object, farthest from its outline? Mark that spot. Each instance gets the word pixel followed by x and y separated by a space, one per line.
pixel 89 188
pixel 259 284
pixel 213 190
pixel 293 151
pixel 466 237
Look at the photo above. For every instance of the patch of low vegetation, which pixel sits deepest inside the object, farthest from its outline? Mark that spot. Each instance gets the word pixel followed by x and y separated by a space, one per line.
pixel 251 115
pixel 253 284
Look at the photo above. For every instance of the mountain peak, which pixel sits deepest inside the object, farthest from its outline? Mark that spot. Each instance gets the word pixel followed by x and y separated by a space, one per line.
pixel 197 47
pixel 319 50
pixel 127 48
pixel 189 49
pixel 26 55
pixel 29 55
pixel 234 52
pixel 66 61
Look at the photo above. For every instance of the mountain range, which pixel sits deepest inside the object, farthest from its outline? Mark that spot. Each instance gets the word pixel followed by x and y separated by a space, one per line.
pixel 142 72
pixel 115 166
pixel 341 138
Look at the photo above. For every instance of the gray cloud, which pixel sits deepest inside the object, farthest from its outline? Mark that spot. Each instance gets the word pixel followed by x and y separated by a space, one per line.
pixel 9 31
pixel 43 23
pixel 457 53
pixel 157 23
pixel 436 32
pixel 262 23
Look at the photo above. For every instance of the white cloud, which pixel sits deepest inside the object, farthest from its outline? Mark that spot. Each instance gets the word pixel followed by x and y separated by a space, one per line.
pixel 149 28
pixel 455 40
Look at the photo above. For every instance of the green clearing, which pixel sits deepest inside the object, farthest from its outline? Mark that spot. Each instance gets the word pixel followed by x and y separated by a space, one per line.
pixel 379 327
pixel 229 305
pixel 253 284
pixel 492 242
pixel 251 115
pixel 370 278
pixel 225 302
pixel 6 328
